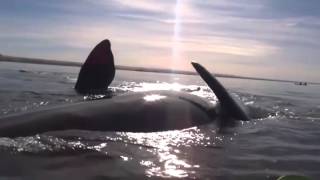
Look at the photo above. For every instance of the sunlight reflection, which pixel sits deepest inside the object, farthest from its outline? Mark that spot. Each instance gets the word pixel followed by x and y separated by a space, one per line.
pixel 163 140
pixel 171 162
pixel 153 97
pixel 176 49
pixel 124 158
pixel 158 86
pixel 177 26
pixel 201 91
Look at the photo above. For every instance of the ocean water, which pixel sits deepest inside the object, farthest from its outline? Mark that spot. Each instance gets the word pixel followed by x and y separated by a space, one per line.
pixel 283 138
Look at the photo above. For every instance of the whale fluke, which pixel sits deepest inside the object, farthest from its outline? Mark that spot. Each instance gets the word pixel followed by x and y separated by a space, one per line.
pixel 98 71
pixel 231 107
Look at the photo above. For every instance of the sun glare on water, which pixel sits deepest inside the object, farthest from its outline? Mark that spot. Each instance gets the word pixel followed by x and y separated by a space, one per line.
pixel 169 161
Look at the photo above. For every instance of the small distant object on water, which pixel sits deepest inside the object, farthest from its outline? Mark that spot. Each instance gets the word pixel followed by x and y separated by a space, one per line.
pixel 23 71
pixel 301 83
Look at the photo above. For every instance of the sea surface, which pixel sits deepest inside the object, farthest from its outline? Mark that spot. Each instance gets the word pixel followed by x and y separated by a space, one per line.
pixel 283 138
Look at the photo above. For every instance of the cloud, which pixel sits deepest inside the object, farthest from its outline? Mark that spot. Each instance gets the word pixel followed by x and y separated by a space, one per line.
pixel 259 34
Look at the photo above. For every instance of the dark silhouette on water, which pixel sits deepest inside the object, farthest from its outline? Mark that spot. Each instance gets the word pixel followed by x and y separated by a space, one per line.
pixel 301 83
pixel 227 102
pixel 98 71
pixel 132 112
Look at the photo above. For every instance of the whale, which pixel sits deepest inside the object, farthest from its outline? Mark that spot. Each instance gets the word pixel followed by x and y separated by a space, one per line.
pixel 148 111
pixel 98 71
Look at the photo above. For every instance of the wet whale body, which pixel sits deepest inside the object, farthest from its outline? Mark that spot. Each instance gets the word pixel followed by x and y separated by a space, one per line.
pixel 132 112
pixel 136 112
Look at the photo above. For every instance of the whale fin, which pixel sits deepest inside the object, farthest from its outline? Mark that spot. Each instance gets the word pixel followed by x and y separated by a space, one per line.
pixel 228 103
pixel 98 71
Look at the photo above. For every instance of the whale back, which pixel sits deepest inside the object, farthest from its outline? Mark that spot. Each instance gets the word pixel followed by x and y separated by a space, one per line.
pixel 133 112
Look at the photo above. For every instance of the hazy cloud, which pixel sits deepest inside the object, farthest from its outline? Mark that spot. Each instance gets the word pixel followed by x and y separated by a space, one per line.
pixel 244 37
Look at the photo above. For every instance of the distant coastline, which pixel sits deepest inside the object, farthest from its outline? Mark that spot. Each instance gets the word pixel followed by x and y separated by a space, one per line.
pixel 5 58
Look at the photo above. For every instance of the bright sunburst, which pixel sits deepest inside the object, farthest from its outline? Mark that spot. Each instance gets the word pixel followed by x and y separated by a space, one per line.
pixel 176 49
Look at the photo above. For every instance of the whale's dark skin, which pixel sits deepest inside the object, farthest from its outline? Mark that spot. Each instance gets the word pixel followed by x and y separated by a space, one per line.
pixel 98 70
pixel 133 112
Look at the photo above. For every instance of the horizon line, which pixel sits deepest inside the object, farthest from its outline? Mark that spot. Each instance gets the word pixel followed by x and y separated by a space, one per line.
pixel 15 59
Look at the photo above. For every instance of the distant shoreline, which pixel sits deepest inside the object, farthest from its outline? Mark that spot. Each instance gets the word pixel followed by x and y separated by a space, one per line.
pixel 5 58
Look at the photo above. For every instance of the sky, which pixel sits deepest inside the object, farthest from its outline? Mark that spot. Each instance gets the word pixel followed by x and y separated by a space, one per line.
pixel 277 39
